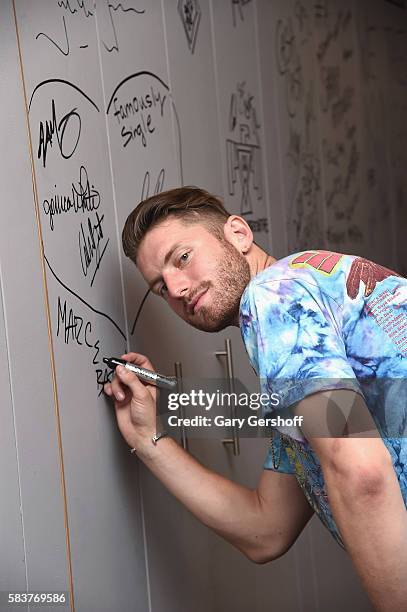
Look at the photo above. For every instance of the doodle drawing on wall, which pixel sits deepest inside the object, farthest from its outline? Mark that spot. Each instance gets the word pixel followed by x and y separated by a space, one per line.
pixel 243 153
pixel 237 8
pixel 190 13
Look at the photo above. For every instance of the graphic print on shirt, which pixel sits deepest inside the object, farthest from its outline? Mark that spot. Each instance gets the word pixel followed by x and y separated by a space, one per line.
pixel 367 271
pixel 385 306
pixel 322 261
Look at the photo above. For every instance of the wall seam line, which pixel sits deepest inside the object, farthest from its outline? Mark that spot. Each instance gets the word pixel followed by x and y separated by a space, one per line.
pixel 14 425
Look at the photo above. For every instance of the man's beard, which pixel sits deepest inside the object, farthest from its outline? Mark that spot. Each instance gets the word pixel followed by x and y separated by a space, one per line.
pixel 232 276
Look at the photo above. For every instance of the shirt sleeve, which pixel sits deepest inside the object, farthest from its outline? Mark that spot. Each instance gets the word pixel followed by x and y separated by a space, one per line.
pixel 297 344
pixel 277 459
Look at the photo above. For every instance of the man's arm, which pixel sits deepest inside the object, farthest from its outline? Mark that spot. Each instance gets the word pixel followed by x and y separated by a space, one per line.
pixel 262 523
pixel 363 492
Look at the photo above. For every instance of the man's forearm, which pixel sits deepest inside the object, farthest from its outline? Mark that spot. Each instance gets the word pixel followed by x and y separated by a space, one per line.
pixel 231 510
pixel 373 523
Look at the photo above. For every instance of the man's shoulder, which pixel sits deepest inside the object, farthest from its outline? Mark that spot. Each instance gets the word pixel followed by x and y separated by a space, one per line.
pixel 316 267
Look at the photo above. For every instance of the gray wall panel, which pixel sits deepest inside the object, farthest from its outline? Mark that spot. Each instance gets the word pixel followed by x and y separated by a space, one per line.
pixel 12 565
pixel 29 362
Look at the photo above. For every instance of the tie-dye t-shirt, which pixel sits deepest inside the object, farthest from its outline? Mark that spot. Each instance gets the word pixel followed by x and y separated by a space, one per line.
pixel 319 320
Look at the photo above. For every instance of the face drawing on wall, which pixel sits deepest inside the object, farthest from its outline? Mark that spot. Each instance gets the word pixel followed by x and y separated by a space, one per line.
pixel 201 277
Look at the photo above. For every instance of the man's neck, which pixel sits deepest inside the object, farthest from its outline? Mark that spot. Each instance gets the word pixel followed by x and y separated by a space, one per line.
pixel 258 261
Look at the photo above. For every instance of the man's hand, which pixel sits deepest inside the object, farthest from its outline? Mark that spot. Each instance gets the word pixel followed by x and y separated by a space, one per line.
pixel 135 402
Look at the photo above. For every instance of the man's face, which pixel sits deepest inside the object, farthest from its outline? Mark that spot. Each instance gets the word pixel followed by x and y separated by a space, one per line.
pixel 201 277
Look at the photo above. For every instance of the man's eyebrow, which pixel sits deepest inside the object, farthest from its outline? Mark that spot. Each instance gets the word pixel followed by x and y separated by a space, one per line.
pixel 166 260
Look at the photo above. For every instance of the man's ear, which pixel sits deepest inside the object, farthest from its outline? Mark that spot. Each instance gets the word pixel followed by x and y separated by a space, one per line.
pixel 238 232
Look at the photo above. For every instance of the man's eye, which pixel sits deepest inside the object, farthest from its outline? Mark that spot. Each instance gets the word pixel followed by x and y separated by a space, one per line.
pixel 184 257
pixel 162 290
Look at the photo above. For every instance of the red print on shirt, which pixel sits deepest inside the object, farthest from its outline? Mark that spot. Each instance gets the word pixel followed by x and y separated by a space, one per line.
pixel 323 261
pixel 367 271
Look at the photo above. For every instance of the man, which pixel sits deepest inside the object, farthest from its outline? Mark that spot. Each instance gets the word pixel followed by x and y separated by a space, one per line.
pixel 328 333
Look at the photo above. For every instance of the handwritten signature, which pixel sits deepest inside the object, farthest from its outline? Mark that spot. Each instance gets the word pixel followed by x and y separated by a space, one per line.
pixel 89 245
pixel 74 329
pixel 83 198
pixel 49 129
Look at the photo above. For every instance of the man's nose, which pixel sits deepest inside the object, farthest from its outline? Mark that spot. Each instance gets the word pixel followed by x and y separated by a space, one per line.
pixel 177 285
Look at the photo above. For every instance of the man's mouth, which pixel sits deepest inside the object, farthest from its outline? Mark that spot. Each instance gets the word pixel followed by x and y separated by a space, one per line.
pixel 194 304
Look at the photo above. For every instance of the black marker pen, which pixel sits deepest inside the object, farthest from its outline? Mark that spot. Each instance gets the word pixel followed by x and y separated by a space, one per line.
pixel 166 382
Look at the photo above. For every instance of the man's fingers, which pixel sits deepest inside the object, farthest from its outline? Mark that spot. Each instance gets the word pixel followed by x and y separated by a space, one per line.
pixel 139 359
pixel 114 388
pixel 117 389
pixel 137 388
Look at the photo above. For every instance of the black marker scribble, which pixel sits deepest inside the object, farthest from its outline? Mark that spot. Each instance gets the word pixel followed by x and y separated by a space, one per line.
pixel 102 377
pixel 309 113
pixel 75 329
pixel 145 191
pixel 63 82
pixel 339 196
pixel 340 149
pixel 53 41
pixel 135 108
pixel 289 65
pixel 341 106
pixel 49 129
pixel 139 312
pixel 126 10
pixel 112 7
pixel 181 168
pixel 81 4
pixel 305 223
pixel 240 4
pixel 133 76
pixel 99 312
pixel 161 102
pixel 89 245
pixel 190 13
pixel 138 115
pixel 333 153
pixel 83 197
pixel 303 20
pixel 330 85
pixel 243 150
pixel 343 19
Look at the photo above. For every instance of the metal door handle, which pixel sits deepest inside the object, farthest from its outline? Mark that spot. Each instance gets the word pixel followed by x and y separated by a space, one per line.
pixel 229 369
pixel 178 374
